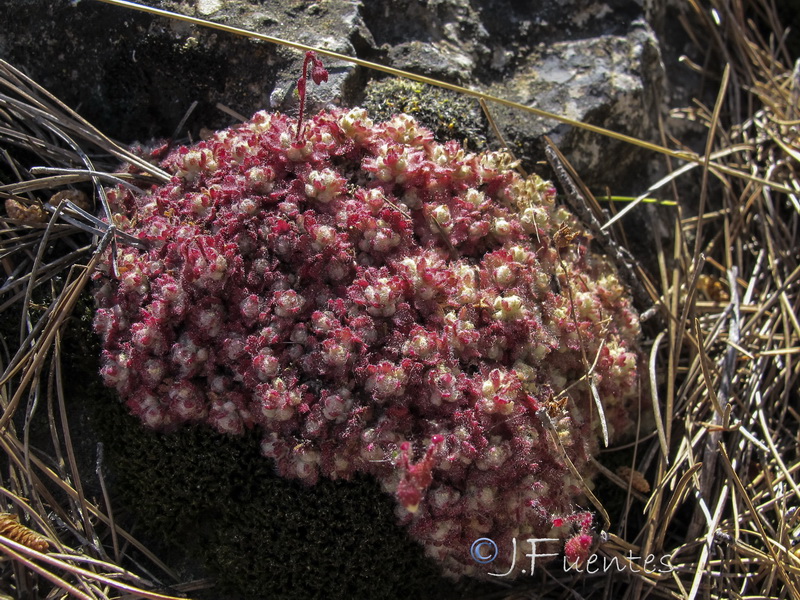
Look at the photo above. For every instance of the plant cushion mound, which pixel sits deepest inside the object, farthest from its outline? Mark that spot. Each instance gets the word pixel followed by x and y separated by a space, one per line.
pixel 373 301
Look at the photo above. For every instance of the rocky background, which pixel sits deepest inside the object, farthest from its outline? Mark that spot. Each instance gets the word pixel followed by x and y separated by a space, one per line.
pixel 212 505
pixel 136 75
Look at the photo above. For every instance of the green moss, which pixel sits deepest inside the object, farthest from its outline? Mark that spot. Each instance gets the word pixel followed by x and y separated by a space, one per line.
pixel 211 505
pixel 449 115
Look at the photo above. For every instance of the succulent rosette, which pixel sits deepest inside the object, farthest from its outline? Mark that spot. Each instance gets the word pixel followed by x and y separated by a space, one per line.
pixel 373 301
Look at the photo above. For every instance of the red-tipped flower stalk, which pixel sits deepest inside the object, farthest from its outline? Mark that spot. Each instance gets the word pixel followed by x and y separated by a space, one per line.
pixel 318 75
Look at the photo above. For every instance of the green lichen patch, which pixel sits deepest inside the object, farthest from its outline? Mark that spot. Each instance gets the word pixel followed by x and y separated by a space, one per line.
pixel 449 115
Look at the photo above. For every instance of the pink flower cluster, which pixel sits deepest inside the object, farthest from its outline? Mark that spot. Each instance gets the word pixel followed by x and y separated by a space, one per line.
pixel 376 302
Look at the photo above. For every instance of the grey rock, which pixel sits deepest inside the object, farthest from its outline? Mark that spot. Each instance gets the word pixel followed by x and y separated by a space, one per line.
pixel 614 81
pixel 441 38
pixel 135 75
pixel 597 62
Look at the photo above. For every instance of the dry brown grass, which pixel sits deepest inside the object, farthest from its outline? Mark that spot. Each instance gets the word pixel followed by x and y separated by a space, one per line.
pixel 724 356
pixel 61 541
pixel 724 368
pixel 725 499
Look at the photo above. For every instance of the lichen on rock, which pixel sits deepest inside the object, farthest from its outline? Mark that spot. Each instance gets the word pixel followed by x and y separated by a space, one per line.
pixel 373 301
